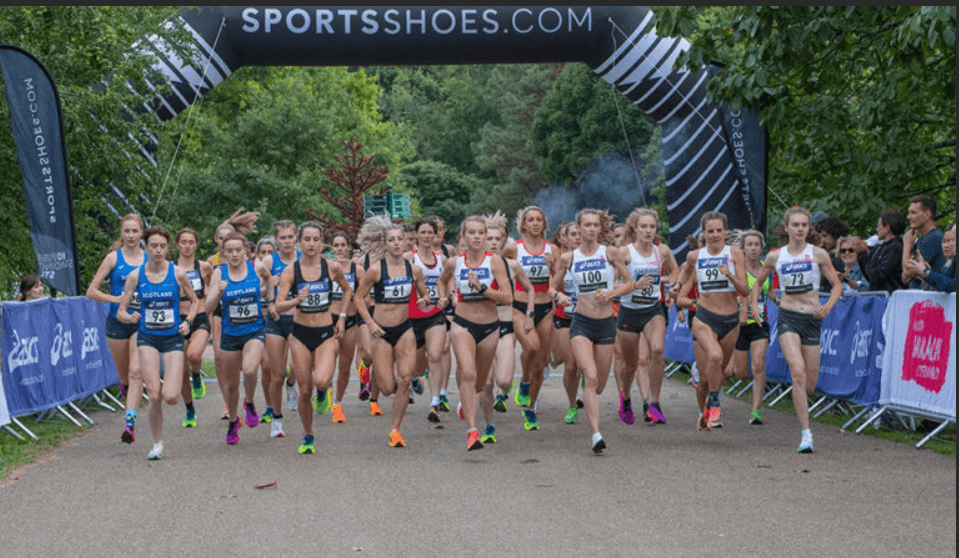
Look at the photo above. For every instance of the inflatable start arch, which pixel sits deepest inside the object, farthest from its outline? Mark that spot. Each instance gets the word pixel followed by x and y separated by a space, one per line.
pixel 715 159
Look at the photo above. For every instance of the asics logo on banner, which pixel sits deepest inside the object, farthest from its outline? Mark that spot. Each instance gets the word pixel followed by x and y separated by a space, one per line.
pixel 24 352
pixel 860 343
pixel 828 339
pixel 91 341
pixel 463 21
pixel 62 345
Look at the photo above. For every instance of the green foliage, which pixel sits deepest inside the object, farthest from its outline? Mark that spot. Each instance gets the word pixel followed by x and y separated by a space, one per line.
pixel 442 190
pixel 859 101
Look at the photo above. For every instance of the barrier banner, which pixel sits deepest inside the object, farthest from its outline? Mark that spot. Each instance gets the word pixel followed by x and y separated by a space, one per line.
pixel 919 362
pixel 679 341
pixel 54 351
pixel 4 413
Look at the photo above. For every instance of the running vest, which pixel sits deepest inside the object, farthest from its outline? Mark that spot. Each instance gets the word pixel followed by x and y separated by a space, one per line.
pixel 196 281
pixel 638 268
pixel 318 292
pixel 118 279
pixel 708 276
pixel 592 273
pixel 242 312
pixel 161 303
pixel 534 266
pixel 277 265
pixel 751 280
pixel 393 290
pixel 483 272
pixel 797 274
pixel 337 292
pixel 569 290
pixel 432 275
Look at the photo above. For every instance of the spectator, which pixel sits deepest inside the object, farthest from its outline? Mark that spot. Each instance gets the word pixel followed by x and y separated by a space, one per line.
pixel 943 279
pixel 31 288
pixel 850 273
pixel 830 230
pixel 882 266
pixel 923 237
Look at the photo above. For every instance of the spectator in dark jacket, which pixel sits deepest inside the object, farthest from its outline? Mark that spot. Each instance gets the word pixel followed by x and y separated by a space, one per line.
pixel 882 266
pixel 944 278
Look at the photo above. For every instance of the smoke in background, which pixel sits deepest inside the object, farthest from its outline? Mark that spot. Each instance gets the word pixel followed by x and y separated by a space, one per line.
pixel 608 183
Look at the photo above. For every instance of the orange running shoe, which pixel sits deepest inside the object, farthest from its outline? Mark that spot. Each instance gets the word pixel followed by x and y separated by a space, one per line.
pixel 702 423
pixel 715 421
pixel 396 439
pixel 375 409
pixel 473 440
pixel 338 415
pixel 363 371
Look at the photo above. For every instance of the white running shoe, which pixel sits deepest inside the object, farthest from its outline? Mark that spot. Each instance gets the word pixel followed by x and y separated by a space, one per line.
pixel 805 444
pixel 599 444
pixel 157 452
pixel 276 428
pixel 291 397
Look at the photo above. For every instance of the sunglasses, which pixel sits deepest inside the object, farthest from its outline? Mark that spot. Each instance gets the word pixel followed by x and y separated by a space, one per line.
pixel 847 250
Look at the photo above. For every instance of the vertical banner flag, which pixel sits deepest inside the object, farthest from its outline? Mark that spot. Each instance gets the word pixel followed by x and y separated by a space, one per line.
pixel 37 124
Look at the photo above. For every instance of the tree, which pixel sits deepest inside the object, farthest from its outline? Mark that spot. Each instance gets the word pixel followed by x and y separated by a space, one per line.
pixel 443 190
pixel 859 102
pixel 89 51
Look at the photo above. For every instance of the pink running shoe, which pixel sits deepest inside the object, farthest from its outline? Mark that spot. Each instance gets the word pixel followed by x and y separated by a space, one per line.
pixel 655 414
pixel 252 418
pixel 626 410
pixel 233 432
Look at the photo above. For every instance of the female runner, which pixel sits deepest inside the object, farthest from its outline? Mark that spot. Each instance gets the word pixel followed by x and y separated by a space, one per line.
pixel 534 254
pixel 504 359
pixel 158 284
pixel 315 337
pixel 592 331
pixel 753 333
pixel 278 326
pixel 391 278
pixel 340 306
pixel 641 323
pixel 800 266
pixel 125 256
pixel 429 326
pixel 364 346
pixel 238 286
pixel 720 272
pixel 198 273
pixel 481 281
pixel 560 347
pixel 442 379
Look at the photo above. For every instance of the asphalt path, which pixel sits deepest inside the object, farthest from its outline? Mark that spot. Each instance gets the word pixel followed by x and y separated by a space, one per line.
pixel 664 490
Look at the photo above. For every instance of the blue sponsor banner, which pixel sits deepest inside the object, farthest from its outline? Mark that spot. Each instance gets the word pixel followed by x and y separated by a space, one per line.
pixel 679 341
pixel 54 351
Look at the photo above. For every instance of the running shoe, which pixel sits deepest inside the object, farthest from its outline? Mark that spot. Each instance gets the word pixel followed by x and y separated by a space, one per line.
pixel 522 395
pixel 292 397
pixel 473 441
pixel 626 410
pixel 364 391
pixel 500 404
pixel 338 415
pixel 276 428
pixel 655 414
pixel 599 444
pixel 190 420
pixel 755 418
pixel 459 411
pixel 417 386
pixel 646 417
pixel 552 362
pixel 363 372
pixel 530 420
pixel 375 409
pixel 489 437
pixel 805 444
pixel 226 413
pixel 434 416
pixel 123 389
pixel 321 401
pixel 702 423
pixel 579 403
pixel 252 419
pixel 444 404
pixel 411 400
pixel 233 432
pixel 715 420
pixel 157 452
pixel 127 436
pixel 396 439
pixel 307 445
pixel 199 388
pixel 571 415
pixel 267 415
